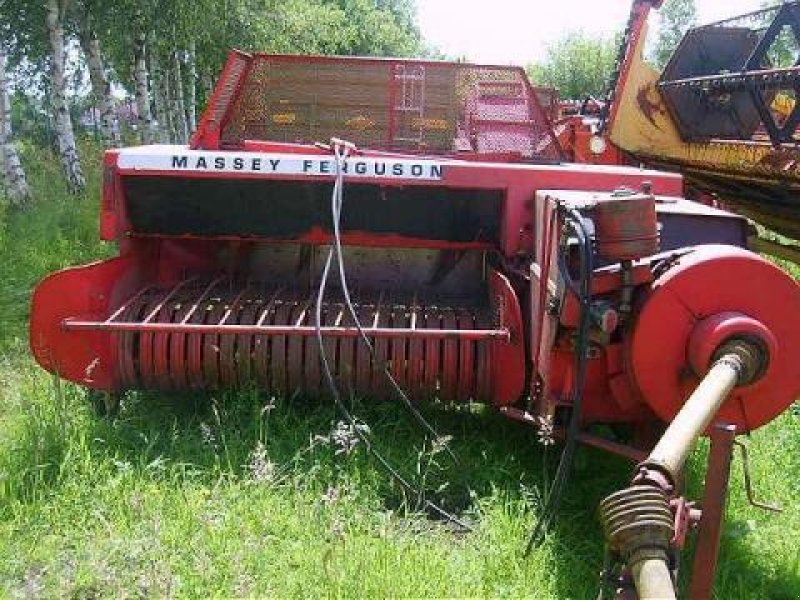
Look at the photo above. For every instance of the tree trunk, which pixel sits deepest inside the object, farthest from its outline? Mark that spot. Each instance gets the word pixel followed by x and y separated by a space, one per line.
pixel 65 135
pixel 160 96
pixel 101 87
pixel 16 184
pixel 208 86
pixel 169 107
pixel 178 102
pixel 191 89
pixel 142 92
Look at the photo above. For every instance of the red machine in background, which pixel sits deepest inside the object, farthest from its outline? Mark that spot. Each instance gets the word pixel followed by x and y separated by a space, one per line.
pixel 447 249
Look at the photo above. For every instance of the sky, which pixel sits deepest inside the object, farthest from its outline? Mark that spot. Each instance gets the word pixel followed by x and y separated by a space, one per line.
pixel 517 31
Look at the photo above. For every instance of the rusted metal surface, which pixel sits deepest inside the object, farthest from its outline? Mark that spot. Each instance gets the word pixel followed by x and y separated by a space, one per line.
pixel 691 421
pixel 715 493
pixel 764 79
pixel 612 447
pixel 388 104
pixel 626 58
pixel 748 482
pixel 649 107
pixel 702 52
pixel 214 335
pixel 626 226
pixel 721 81
pixel 737 145
pixel 638 526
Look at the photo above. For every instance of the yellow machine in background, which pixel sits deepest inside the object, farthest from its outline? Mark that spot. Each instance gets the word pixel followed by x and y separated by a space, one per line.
pixel 723 112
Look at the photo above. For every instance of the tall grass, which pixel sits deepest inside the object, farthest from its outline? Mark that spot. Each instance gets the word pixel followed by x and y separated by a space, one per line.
pixel 238 494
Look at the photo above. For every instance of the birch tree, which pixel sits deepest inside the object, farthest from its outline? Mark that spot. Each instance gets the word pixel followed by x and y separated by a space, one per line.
pixel 142 91
pixel 167 53
pixel 160 96
pixel 191 85
pixel 65 135
pixel 101 86
pixel 16 184
pixel 178 100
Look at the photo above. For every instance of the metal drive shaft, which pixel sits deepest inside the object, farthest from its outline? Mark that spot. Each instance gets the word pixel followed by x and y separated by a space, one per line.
pixel 673 448
pixel 637 520
pixel 653 579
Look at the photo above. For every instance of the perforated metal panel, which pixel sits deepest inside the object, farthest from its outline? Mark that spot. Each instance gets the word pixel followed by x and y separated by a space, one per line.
pixel 398 105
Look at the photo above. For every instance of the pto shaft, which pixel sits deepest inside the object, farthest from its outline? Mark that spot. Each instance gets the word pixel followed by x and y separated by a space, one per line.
pixel 673 448
pixel 653 579
pixel 638 521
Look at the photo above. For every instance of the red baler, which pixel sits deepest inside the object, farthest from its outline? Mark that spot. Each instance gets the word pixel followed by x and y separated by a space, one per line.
pixel 479 267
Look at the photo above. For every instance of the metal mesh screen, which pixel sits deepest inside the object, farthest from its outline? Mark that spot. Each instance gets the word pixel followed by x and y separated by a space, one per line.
pixel 398 105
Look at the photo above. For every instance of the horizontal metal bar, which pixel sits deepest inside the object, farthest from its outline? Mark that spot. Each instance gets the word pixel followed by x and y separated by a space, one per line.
pixel 727 82
pixel 623 450
pixel 587 439
pixel 291 330
pixel 499 121
pixel 747 15
pixel 317 238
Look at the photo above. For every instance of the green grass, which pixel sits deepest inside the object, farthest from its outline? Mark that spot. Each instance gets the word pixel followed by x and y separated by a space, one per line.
pixel 239 495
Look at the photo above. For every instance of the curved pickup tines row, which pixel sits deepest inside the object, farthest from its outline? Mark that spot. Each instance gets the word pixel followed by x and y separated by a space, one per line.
pixel 451 368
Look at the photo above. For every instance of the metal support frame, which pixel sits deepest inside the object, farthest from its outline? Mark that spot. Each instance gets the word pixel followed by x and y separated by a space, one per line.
pixel 715 495
pixel 502 334
pixel 762 79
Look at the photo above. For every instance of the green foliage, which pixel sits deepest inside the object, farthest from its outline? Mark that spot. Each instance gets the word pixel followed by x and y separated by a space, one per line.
pixel 60 231
pixel 676 17
pixel 387 27
pixel 196 34
pixel 380 29
pixel 28 120
pixel 578 65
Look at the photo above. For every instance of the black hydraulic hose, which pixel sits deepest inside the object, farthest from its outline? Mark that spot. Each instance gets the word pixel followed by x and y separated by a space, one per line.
pixel 336 209
pixel 410 489
pixel 334 389
pixel 575 221
pixel 563 268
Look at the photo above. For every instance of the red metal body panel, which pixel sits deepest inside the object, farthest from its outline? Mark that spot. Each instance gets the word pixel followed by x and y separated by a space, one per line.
pixel 575 134
pixel 196 307
pixel 713 280
pixel 526 230
pixel 518 182
pixel 88 291
pixel 544 289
